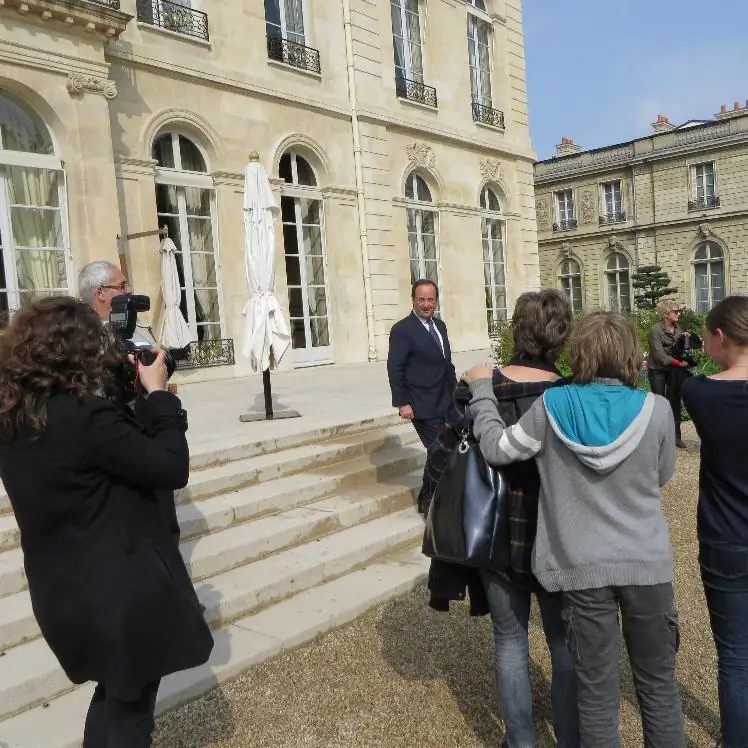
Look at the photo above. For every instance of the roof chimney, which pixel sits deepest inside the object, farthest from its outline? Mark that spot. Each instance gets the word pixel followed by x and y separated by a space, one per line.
pixel 737 110
pixel 567 147
pixel 662 125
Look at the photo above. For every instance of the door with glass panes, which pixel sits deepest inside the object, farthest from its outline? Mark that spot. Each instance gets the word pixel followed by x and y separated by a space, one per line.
pixel 306 266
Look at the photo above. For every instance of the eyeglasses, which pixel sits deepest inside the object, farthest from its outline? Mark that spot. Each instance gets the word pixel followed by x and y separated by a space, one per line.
pixel 121 287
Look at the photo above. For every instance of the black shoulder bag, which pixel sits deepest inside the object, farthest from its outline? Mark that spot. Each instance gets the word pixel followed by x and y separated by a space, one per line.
pixel 468 515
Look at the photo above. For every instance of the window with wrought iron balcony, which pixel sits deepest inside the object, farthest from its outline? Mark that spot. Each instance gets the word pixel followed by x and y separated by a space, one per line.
pixel 704 185
pixel 286 37
pixel 565 220
pixel 408 51
pixel 173 16
pixel 611 195
pixel 479 59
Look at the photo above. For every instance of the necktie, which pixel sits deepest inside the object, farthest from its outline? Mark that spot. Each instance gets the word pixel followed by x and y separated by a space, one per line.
pixel 434 335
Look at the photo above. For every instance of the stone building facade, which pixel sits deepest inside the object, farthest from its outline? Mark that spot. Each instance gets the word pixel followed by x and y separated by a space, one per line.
pixel 678 198
pixel 395 134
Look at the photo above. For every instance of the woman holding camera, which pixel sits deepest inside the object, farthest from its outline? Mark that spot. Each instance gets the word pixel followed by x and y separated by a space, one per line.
pixel 86 480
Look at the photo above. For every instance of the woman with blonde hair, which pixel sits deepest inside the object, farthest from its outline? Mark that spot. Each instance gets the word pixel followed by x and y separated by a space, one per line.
pixel 718 406
pixel 603 448
pixel 666 373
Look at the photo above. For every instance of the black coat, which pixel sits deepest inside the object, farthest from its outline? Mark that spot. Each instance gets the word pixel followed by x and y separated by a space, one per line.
pixel 420 376
pixel 108 585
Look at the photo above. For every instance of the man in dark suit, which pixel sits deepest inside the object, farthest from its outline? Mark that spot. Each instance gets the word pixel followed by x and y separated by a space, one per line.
pixel 419 365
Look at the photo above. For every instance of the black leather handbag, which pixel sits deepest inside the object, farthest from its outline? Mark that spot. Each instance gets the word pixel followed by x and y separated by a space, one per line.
pixel 468 516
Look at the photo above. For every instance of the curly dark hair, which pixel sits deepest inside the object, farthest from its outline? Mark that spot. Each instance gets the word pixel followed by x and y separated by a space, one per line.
pixel 56 345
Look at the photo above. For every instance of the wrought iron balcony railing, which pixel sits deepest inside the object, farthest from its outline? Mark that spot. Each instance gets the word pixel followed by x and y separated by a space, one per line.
pixel 711 201
pixel 415 91
pixel 113 4
pixel 294 54
pixel 199 355
pixel 487 116
pixel 565 225
pixel 618 217
pixel 173 17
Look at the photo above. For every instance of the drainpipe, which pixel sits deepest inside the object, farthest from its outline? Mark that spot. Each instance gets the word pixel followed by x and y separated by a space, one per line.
pixel 360 199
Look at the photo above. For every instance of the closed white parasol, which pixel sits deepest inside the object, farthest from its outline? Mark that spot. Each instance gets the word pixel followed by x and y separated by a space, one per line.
pixel 175 332
pixel 265 328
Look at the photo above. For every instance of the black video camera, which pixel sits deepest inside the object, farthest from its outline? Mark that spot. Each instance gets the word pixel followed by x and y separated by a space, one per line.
pixel 684 348
pixel 123 320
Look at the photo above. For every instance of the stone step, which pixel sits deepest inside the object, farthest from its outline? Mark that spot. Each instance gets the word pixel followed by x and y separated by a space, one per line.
pixel 220 451
pixel 244 543
pixel 219 512
pixel 240 645
pixel 30 674
pixel 263 470
pixel 239 474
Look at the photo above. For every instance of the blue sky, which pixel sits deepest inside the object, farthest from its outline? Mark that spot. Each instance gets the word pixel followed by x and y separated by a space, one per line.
pixel 600 71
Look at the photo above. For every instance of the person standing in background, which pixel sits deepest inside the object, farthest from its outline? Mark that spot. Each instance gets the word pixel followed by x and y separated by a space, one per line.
pixel 666 373
pixel 718 406
pixel 420 370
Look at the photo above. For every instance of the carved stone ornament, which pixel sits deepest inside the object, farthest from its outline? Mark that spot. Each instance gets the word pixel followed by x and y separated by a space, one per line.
pixel 492 168
pixel 542 214
pixel 565 249
pixel 78 84
pixel 704 231
pixel 587 208
pixel 421 154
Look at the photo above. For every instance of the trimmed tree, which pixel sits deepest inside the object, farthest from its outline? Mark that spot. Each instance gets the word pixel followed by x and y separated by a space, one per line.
pixel 652 284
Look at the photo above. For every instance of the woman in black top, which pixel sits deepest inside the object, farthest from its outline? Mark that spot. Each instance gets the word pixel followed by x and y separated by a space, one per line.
pixel 540 326
pixel 718 406
pixel 87 483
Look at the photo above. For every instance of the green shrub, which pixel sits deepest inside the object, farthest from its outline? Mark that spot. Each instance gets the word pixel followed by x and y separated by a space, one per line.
pixel 502 347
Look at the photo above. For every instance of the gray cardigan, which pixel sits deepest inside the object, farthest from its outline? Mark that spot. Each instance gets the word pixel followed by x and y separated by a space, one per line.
pixel 661 344
pixel 600 519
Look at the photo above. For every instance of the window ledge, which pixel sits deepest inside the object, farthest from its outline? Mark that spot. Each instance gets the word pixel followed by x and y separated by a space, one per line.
pixel 175 34
pixel 294 69
pixel 418 104
pixel 490 127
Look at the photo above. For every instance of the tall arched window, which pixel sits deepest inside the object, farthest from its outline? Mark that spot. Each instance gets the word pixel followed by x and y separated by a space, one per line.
pixel 617 282
pixel 185 205
pixel 423 230
pixel 494 259
pixel 709 276
pixel 306 273
pixel 479 45
pixel 33 233
pixel 570 280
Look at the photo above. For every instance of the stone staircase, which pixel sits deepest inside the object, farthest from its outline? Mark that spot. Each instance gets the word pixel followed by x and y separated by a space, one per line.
pixel 285 539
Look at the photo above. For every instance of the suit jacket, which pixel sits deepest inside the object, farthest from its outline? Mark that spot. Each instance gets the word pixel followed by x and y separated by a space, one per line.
pixel 420 375
pixel 108 585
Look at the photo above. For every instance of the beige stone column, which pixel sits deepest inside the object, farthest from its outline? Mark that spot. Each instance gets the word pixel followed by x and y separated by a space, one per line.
pixel 139 239
pixel 346 299
pixel 463 291
pixel 90 172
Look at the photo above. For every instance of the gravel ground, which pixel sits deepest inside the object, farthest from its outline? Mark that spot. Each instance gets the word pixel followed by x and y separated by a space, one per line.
pixel 404 676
